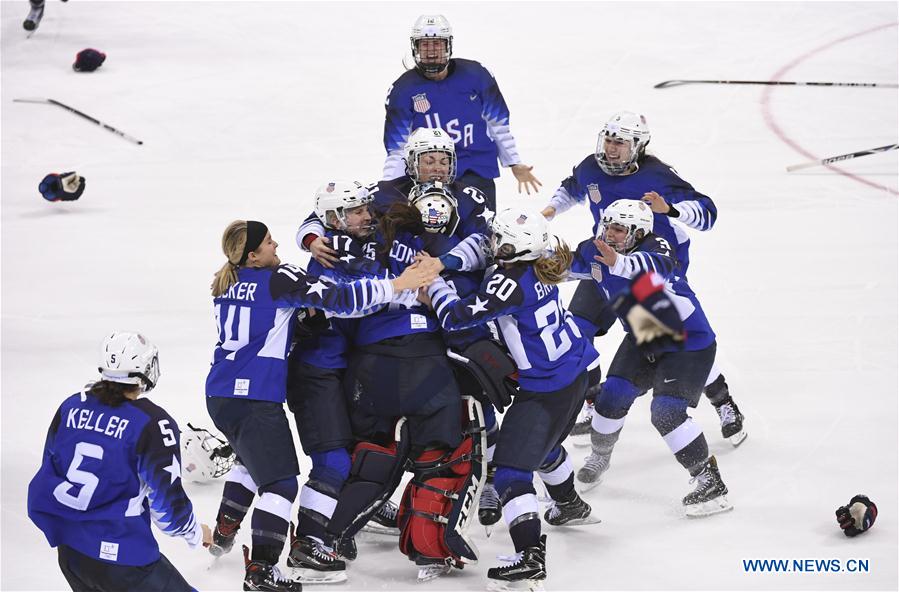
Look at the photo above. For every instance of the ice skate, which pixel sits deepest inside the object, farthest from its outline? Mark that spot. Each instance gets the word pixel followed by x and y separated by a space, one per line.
pixel 313 562
pixel 526 571
pixel 580 432
pixel 266 577
pixel 346 549
pixel 572 512
pixel 432 571
pixel 384 520
pixel 223 536
pixel 710 495
pixel 489 509
pixel 590 475
pixel 34 17
pixel 731 422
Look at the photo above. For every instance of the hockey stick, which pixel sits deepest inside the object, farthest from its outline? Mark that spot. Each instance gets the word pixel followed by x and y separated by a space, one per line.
pixel 841 157
pixel 84 115
pixel 670 83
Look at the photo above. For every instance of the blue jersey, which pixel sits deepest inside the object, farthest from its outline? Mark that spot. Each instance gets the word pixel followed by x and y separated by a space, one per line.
pixel 538 331
pixel 653 253
pixel 256 320
pixel 588 182
pixel 106 472
pixel 398 318
pixel 467 104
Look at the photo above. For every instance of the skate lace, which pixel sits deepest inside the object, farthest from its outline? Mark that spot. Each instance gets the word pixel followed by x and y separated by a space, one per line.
pixel 279 578
pixel 586 413
pixel 554 510
pixel 489 498
pixel 727 414
pixel 595 462
pixel 703 478
pixel 388 510
pixel 510 560
pixel 321 551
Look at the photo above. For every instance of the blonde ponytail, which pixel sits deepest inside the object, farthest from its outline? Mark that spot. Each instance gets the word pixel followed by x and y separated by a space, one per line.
pixel 233 242
pixel 554 269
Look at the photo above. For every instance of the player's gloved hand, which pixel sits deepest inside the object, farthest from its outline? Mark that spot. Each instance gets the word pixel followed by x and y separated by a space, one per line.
pixel 311 323
pixel 62 187
pixel 653 318
pixel 857 516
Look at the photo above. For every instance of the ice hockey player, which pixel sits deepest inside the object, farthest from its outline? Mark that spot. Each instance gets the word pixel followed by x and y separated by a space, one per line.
pixel 625 247
pixel 460 96
pixel 620 168
pixel 553 362
pixel 255 305
pixel 112 463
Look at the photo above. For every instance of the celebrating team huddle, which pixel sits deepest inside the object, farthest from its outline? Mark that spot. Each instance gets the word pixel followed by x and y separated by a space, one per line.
pixel 426 342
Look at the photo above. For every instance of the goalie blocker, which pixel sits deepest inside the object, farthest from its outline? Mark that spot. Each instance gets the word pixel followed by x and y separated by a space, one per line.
pixel 439 501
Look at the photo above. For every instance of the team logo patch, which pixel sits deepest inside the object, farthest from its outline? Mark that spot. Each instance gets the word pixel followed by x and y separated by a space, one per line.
pixel 593 192
pixel 596 272
pixel 420 103
pixel 522 219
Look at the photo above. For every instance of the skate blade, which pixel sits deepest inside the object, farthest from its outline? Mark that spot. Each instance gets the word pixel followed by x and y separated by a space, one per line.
pixel 713 506
pixel 580 522
pixel 532 585
pixel 585 487
pixel 313 576
pixel 738 438
pixel 580 441
pixel 432 572
pixel 217 551
pixel 382 530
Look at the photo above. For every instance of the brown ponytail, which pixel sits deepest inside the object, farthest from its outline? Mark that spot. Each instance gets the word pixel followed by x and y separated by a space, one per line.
pixel 233 241
pixel 400 217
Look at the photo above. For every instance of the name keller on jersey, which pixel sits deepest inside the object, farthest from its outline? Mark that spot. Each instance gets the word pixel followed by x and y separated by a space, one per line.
pixel 83 419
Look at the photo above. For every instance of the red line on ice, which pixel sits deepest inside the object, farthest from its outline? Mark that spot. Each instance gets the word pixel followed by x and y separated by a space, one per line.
pixel 772 124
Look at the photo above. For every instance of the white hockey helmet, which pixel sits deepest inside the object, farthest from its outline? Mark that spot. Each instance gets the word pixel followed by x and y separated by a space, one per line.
pixel 204 455
pixel 629 128
pixel 519 235
pixel 431 26
pixel 438 206
pixel 634 215
pixel 129 358
pixel 424 140
pixel 334 198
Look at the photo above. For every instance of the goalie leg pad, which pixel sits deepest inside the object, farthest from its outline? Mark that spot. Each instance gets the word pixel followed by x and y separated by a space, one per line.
pixel 442 498
pixel 374 475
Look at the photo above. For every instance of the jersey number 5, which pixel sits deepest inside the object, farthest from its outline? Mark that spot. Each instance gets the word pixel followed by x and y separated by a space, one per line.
pixel 75 476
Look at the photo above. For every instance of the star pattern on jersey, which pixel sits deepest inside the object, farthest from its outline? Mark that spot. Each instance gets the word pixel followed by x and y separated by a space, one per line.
pixel 487 215
pixel 318 287
pixel 174 469
pixel 478 306
pixel 347 258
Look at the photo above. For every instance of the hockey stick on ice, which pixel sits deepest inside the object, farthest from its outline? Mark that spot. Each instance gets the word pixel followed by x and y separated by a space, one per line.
pixel 841 157
pixel 84 115
pixel 670 83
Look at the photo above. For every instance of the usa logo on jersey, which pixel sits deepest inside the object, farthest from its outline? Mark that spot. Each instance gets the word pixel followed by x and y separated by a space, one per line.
pixel 593 192
pixel 421 103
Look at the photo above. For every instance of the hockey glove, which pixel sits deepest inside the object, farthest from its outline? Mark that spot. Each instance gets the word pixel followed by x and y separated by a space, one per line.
pixel 62 187
pixel 652 317
pixel 858 516
pixel 88 60
pixel 311 323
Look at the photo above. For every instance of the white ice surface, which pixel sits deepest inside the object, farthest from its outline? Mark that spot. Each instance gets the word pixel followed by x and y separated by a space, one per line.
pixel 245 108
